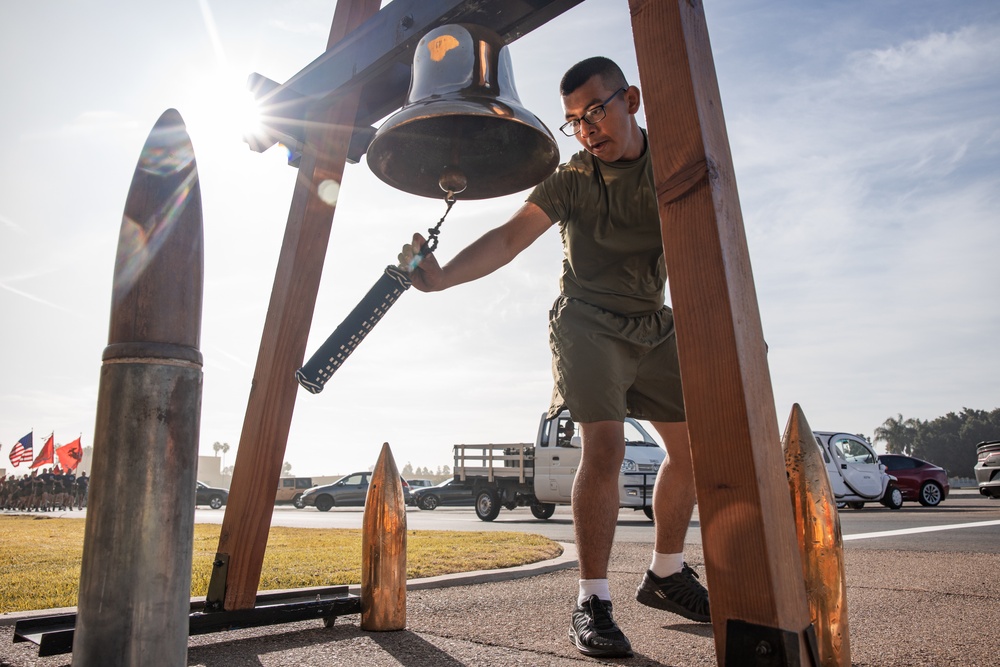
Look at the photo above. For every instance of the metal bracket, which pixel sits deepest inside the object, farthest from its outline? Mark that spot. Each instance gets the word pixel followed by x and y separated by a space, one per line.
pixel 54 634
pixel 751 645
pixel 215 599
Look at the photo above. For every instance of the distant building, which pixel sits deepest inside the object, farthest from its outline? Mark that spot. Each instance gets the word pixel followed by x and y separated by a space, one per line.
pixel 210 472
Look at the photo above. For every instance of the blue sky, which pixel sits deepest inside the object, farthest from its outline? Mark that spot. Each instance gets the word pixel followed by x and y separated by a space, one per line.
pixel 865 139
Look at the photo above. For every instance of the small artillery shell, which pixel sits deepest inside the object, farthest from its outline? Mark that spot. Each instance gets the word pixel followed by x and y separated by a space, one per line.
pixel 821 543
pixel 383 549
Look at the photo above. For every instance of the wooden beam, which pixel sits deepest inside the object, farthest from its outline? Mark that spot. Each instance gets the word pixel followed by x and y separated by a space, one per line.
pixel 289 315
pixel 378 55
pixel 751 553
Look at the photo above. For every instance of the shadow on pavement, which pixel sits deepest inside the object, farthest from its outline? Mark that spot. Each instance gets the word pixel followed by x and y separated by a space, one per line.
pixel 406 647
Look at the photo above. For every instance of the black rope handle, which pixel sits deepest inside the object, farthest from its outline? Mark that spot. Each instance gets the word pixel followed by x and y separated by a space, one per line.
pixel 321 366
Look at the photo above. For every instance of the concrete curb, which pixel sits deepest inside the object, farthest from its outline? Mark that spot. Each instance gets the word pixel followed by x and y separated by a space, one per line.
pixel 564 561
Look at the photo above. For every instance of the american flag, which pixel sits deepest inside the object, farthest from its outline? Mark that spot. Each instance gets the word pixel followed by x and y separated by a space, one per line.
pixel 22 451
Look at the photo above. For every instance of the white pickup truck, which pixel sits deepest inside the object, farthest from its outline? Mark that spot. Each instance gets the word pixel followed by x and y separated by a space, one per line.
pixel 540 474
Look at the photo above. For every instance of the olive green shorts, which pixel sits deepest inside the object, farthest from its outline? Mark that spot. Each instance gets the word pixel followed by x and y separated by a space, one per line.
pixel 608 366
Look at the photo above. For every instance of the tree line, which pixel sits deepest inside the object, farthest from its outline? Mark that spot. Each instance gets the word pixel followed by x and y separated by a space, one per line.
pixel 949 441
pixel 409 471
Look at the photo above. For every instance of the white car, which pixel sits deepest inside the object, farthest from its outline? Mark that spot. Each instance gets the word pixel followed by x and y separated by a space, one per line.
pixel 988 468
pixel 856 475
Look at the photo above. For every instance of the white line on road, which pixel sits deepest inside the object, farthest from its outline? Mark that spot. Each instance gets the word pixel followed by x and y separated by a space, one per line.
pixel 921 529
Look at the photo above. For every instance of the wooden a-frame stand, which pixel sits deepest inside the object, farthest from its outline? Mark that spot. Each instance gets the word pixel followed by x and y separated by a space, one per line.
pixel 759 609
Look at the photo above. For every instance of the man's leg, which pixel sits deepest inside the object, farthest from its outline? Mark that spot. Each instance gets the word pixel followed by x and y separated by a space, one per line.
pixel 595 495
pixel 595 515
pixel 674 493
pixel 670 584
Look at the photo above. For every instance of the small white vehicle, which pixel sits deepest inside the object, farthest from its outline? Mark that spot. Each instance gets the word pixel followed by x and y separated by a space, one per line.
pixel 540 475
pixel 856 475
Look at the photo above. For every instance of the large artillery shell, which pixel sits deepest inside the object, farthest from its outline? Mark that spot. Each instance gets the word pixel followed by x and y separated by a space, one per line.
pixel 383 549
pixel 820 540
pixel 135 579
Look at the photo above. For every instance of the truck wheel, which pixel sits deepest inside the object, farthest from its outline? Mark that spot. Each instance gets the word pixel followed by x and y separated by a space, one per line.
pixel 648 511
pixel 543 510
pixel 487 505
pixel 856 505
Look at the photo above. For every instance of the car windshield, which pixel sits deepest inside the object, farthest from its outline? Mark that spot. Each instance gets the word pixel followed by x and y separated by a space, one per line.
pixel 636 438
pixel 853 451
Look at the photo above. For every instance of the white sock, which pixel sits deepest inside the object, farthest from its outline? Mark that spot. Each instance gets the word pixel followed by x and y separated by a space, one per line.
pixel 598 587
pixel 664 565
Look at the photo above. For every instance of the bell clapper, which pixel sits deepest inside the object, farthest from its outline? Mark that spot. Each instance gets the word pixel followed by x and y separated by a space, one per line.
pixel 452 181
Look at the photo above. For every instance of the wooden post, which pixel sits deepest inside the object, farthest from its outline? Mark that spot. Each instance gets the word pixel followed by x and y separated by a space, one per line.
pixel 751 552
pixel 282 347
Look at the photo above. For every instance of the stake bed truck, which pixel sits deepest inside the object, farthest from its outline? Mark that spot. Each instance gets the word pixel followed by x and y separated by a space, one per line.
pixel 540 475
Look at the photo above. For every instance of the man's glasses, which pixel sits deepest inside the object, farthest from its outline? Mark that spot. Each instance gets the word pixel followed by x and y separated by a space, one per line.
pixel 593 116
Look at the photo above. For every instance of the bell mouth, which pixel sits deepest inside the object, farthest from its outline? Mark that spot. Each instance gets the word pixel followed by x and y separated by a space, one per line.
pixel 501 149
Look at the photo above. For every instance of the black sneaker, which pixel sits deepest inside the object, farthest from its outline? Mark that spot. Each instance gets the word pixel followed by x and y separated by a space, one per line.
pixel 680 593
pixel 595 632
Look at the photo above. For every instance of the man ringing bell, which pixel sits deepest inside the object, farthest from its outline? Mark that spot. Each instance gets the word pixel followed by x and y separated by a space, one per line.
pixel 612 337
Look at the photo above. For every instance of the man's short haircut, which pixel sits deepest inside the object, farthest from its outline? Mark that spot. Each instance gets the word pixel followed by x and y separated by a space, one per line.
pixel 577 75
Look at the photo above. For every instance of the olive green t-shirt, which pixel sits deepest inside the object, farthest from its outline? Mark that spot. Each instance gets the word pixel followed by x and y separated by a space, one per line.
pixel 610 228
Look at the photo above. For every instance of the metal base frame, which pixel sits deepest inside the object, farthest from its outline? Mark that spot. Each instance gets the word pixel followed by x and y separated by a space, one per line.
pixel 54 634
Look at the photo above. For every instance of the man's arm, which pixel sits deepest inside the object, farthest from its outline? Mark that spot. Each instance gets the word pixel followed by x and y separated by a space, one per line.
pixel 483 256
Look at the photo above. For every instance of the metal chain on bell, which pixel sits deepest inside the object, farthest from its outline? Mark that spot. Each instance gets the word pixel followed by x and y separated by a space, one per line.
pixel 432 238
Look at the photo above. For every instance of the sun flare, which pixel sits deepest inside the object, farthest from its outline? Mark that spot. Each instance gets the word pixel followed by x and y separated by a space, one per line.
pixel 220 108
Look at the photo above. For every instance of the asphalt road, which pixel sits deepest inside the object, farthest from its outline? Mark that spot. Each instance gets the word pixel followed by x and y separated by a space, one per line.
pixel 965 522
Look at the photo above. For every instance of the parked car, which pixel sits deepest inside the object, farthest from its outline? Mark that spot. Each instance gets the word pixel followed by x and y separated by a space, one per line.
pixel 448 492
pixel 988 468
pixel 856 475
pixel 290 490
pixel 349 491
pixel 210 495
pixel 419 483
pixel 917 479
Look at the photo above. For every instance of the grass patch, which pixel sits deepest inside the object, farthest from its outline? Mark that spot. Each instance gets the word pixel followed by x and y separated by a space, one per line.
pixel 40 557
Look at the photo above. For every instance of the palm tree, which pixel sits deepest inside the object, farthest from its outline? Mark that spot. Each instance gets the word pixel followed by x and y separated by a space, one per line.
pixel 898 434
pixel 225 448
pixel 216 446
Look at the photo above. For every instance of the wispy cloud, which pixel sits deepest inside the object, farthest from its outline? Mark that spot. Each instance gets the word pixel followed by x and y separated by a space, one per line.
pixel 938 61
pixel 300 28
pixel 213 33
pixel 10 224
pixel 34 298
pixel 93 122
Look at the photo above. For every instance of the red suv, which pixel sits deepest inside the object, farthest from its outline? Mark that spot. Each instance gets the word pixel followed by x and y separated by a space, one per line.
pixel 917 479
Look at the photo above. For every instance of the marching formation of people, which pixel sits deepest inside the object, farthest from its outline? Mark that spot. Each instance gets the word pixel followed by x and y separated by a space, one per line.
pixel 48 490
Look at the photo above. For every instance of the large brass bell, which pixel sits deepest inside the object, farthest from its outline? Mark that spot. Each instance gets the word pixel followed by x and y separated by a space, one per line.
pixel 462 129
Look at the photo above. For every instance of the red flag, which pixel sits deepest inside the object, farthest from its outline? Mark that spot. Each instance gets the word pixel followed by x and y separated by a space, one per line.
pixel 45 456
pixel 70 455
